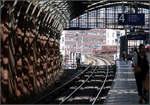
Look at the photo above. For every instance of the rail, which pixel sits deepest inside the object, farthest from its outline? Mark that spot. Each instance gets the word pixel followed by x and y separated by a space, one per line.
pixel 43 97
pixel 102 85
pixel 100 90
pixel 77 88
pixel 86 81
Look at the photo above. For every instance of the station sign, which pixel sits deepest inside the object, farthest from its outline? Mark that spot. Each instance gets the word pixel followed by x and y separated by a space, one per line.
pixel 131 19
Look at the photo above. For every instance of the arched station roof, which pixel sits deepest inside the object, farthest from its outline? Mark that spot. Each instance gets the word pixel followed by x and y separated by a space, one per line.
pixel 56 14
pixel 78 7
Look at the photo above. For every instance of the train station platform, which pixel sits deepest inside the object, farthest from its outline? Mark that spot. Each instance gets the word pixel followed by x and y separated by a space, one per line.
pixel 124 90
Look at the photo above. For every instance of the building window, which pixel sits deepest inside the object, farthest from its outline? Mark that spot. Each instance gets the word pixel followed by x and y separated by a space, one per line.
pixel 113 41
pixel 118 33
pixel 113 34
pixel 62 39
pixel 108 35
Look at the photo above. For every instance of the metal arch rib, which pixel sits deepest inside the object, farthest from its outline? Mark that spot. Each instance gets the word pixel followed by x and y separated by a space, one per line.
pixel 34 8
pixel 115 4
pixel 106 3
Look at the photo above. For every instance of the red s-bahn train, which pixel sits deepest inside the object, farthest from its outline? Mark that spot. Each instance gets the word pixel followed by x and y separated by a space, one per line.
pixel 105 49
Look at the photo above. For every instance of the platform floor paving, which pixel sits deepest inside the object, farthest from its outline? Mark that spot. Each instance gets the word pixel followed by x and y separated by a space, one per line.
pixel 124 90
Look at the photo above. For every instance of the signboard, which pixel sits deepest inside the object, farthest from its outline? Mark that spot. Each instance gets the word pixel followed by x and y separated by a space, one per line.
pixel 131 19
pixel 136 37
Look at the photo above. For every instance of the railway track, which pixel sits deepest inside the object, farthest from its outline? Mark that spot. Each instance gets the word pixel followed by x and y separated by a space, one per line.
pixel 89 87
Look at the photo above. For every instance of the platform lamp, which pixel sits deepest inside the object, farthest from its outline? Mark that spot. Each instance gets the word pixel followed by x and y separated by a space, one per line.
pixel 118 42
pixel 76 39
pixel 82 51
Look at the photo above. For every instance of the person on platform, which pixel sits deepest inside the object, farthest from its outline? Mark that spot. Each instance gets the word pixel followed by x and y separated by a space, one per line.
pixel 146 81
pixel 140 61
